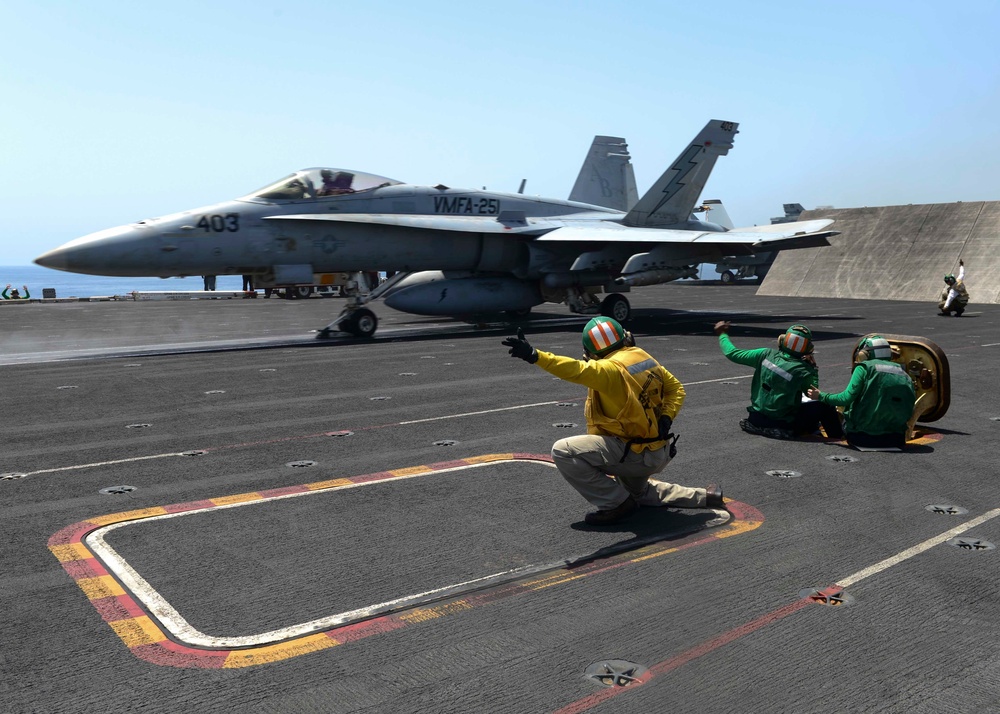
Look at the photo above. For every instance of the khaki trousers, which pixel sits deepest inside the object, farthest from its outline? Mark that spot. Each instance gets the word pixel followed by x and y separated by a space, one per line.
pixel 593 466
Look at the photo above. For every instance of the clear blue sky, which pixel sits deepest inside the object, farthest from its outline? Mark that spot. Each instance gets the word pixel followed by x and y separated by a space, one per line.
pixel 117 111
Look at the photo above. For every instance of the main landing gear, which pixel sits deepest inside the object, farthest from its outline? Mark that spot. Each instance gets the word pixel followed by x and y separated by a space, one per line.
pixel 585 302
pixel 616 306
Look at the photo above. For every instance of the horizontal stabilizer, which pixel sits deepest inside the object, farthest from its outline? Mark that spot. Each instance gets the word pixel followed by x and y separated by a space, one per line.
pixel 507 222
pixel 789 229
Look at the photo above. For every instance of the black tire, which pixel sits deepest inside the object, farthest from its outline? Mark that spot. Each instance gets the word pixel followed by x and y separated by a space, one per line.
pixel 616 306
pixel 301 293
pixel 727 277
pixel 361 323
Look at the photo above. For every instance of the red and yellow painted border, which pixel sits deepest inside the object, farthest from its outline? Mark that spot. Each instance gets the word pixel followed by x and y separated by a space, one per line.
pixel 147 639
pixel 924 435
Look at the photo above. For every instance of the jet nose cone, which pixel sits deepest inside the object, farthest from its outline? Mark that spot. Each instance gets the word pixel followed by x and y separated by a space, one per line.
pixel 116 251
pixel 55 259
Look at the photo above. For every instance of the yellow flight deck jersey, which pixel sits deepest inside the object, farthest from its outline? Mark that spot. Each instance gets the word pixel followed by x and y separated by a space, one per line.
pixel 629 390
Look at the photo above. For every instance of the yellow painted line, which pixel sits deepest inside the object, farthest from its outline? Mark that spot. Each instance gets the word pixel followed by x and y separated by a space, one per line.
pixel 738 528
pixel 138 631
pixel 278 652
pixel 488 458
pixel 333 483
pixel 559 581
pixel 127 516
pixel 650 556
pixel 100 587
pixel 236 498
pixel 423 614
pixel 411 471
pixel 731 529
pixel 70 552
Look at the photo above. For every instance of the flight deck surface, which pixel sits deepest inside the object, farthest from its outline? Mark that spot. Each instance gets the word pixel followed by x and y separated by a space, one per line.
pixel 257 480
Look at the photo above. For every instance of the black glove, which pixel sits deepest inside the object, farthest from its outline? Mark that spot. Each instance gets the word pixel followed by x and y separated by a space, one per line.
pixel 520 348
pixel 664 425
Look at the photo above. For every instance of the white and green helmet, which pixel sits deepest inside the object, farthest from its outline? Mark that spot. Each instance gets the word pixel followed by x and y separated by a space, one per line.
pixel 876 347
pixel 603 335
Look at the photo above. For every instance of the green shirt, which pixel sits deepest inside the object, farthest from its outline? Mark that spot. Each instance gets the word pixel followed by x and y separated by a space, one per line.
pixel 879 399
pixel 779 379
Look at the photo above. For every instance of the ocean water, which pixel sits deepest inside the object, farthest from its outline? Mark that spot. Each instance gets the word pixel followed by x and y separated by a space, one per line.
pixel 74 285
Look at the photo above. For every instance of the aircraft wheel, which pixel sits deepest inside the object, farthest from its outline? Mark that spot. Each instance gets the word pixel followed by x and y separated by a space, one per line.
pixel 362 323
pixel 301 293
pixel 615 305
pixel 727 277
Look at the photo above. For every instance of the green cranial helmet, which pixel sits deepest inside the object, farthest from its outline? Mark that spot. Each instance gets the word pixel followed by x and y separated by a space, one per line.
pixel 797 341
pixel 950 279
pixel 874 347
pixel 603 335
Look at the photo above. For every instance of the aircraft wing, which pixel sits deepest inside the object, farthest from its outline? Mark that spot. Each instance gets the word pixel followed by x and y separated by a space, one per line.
pixel 785 235
pixel 506 222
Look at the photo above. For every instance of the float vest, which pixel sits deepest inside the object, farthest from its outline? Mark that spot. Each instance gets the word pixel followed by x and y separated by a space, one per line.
pixel 638 418
pixel 778 384
pixel 885 404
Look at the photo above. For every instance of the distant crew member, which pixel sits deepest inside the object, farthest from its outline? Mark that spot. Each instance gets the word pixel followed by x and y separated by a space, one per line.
pixel 630 408
pixel 954 297
pixel 14 294
pixel 209 281
pixel 781 376
pixel 879 399
pixel 248 283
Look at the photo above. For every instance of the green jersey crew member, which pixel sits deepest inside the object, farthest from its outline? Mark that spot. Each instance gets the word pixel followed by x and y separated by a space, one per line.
pixel 14 295
pixel 955 296
pixel 781 376
pixel 631 404
pixel 878 401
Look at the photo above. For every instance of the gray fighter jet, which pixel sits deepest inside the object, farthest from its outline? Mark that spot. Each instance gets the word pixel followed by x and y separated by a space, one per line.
pixel 455 252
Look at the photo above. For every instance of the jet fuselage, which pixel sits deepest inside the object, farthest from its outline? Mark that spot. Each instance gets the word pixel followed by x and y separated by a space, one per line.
pixel 245 236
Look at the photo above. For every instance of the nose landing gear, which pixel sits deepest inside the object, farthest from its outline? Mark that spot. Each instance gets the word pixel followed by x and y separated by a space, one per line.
pixel 355 319
pixel 360 322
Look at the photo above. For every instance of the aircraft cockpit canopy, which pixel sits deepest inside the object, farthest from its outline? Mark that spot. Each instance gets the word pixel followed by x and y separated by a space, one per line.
pixel 319 183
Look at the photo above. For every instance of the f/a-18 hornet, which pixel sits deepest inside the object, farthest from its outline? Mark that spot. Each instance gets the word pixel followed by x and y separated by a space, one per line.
pixel 455 252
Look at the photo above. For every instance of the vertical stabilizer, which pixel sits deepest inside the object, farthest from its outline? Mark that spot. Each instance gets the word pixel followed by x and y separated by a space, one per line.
pixel 606 178
pixel 672 198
